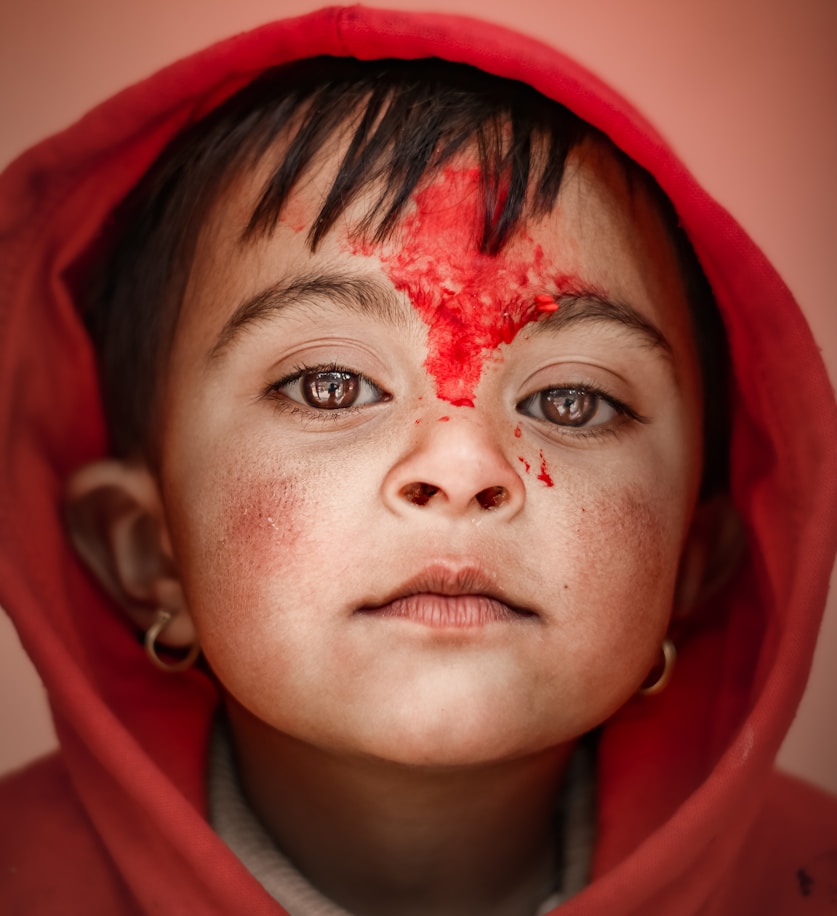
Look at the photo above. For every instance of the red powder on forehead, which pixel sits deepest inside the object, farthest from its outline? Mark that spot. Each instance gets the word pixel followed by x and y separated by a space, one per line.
pixel 545 304
pixel 471 302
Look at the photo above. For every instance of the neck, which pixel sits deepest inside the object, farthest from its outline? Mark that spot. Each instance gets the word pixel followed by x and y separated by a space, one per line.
pixel 381 838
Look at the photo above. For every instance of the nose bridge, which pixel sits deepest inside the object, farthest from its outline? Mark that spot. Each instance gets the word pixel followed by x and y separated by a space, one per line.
pixel 457 464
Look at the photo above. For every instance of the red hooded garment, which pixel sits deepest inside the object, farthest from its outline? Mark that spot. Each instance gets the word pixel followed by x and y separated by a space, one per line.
pixel 691 817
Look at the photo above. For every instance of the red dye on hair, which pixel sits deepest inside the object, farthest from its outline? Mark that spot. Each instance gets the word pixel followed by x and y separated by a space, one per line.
pixel 544 474
pixel 545 304
pixel 471 302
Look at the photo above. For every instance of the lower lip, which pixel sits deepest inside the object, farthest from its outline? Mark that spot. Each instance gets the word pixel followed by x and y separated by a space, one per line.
pixel 448 611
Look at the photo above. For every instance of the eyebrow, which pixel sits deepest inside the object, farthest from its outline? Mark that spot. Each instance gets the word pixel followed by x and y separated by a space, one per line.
pixel 362 295
pixel 367 296
pixel 591 307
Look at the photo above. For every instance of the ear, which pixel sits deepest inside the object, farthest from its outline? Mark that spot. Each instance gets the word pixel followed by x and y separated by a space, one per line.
pixel 713 550
pixel 116 523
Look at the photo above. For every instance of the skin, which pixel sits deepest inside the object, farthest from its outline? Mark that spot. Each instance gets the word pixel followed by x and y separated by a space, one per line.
pixel 288 523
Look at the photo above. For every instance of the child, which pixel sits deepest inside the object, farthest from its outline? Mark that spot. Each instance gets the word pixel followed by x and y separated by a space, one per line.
pixel 417 420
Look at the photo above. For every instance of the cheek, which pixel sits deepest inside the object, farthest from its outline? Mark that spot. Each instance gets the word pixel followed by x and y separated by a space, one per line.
pixel 237 533
pixel 259 522
pixel 616 594
pixel 630 534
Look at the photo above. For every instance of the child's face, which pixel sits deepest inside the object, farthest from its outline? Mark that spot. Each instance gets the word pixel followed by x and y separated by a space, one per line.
pixel 348 445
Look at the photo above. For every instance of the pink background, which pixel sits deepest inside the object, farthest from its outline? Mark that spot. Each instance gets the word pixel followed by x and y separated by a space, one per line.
pixel 745 91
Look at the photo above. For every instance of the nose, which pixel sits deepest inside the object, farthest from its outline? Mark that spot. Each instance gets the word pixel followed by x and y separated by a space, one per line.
pixel 456 468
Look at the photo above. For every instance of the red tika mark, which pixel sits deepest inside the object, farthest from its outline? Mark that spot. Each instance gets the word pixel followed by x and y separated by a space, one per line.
pixel 471 302
pixel 544 474
pixel 527 467
pixel 545 305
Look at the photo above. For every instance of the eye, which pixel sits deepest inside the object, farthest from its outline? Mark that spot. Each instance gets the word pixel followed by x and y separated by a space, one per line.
pixel 575 408
pixel 329 388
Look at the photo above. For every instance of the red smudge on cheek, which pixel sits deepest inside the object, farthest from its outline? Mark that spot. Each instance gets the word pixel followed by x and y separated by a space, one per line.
pixel 527 467
pixel 517 432
pixel 544 473
pixel 260 523
pixel 444 419
pixel 471 302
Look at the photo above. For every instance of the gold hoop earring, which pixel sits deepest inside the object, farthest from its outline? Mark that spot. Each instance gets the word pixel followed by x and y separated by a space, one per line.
pixel 669 658
pixel 161 620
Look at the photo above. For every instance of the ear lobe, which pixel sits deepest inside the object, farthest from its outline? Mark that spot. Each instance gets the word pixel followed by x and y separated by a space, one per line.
pixel 115 521
pixel 713 551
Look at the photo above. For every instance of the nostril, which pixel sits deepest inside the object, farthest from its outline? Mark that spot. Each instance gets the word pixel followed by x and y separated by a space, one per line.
pixel 492 497
pixel 419 494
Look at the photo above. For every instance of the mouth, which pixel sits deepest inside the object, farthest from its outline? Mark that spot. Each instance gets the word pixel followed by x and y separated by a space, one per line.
pixel 445 597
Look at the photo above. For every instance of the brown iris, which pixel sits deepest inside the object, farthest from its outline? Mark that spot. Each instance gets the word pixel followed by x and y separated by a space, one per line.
pixel 568 406
pixel 329 390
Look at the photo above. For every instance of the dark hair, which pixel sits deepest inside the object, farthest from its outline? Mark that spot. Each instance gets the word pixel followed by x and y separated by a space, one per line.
pixel 402 121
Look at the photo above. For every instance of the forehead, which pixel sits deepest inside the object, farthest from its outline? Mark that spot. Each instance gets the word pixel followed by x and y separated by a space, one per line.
pixel 605 231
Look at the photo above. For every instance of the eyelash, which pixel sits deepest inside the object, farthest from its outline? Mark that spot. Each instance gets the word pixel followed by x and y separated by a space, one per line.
pixel 283 402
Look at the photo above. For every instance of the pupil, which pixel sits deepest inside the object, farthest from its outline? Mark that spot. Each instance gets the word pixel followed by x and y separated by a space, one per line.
pixel 330 390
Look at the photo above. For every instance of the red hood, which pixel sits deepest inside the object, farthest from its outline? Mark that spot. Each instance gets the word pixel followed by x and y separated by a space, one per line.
pixel 681 778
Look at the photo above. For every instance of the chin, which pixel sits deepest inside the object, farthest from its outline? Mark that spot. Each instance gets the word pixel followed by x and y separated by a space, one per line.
pixel 471 734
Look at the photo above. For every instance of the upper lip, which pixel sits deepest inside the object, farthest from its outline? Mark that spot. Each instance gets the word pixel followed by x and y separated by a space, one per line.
pixel 451 580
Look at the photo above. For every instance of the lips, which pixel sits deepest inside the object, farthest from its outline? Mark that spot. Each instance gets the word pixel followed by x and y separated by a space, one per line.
pixel 441 596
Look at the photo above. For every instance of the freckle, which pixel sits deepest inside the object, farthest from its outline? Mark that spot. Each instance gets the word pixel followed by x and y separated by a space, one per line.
pixel 566 586
pixel 525 463
pixel 444 419
pixel 517 432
